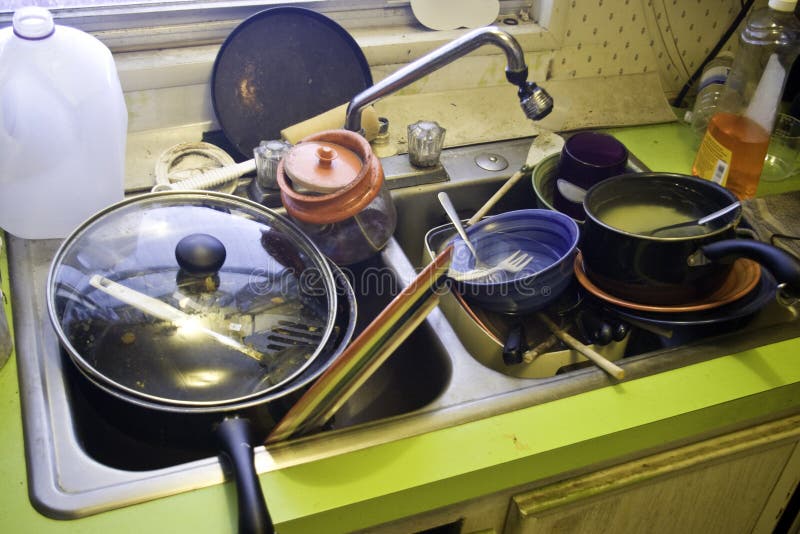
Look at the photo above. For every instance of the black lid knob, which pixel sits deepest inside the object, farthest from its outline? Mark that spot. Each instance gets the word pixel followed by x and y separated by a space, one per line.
pixel 200 254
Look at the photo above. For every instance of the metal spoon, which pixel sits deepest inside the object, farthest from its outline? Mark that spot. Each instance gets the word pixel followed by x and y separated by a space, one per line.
pixel 447 204
pixel 699 222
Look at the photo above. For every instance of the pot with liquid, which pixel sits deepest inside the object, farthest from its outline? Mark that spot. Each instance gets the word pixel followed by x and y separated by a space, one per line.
pixel 625 256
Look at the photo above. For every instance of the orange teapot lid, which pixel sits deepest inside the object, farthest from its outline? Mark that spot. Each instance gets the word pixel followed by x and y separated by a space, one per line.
pixel 321 166
pixel 329 176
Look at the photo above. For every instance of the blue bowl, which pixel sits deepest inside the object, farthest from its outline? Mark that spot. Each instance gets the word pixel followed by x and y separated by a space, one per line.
pixel 549 237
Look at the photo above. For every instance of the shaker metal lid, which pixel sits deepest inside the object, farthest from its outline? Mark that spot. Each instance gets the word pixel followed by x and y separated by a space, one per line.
pixel 191 299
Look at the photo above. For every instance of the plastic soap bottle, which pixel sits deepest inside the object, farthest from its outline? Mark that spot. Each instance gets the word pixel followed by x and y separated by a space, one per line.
pixel 63 125
pixel 735 143
pixel 709 89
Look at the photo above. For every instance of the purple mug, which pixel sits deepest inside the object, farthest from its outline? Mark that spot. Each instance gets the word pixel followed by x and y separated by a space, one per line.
pixel 587 158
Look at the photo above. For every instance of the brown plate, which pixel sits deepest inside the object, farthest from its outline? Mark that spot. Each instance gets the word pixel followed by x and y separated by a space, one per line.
pixel 742 278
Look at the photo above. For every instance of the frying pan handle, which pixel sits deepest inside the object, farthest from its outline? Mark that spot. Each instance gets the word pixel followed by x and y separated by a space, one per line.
pixel 234 435
pixel 783 266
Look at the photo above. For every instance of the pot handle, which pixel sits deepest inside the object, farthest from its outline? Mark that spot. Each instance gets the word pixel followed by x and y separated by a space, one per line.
pixel 234 435
pixel 514 347
pixel 784 267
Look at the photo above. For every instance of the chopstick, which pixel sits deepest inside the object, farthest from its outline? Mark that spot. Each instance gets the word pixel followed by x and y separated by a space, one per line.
pixel 366 354
pixel 541 348
pixel 500 193
pixel 604 364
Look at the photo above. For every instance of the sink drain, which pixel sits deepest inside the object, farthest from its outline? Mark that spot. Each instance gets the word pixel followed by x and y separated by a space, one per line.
pixel 491 162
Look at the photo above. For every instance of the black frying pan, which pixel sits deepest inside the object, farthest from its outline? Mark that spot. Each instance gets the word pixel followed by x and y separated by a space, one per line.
pixel 195 330
pixel 279 67
pixel 230 431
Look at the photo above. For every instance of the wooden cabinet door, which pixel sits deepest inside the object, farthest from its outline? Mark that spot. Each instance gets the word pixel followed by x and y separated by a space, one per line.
pixel 737 483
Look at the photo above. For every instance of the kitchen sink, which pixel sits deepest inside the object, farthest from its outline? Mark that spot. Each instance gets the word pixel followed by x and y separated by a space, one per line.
pixel 80 463
pixel 119 435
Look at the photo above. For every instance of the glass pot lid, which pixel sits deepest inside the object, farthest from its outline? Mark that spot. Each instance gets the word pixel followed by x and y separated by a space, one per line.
pixel 191 298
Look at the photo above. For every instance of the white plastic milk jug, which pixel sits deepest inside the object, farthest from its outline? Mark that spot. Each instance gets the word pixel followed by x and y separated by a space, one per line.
pixel 63 125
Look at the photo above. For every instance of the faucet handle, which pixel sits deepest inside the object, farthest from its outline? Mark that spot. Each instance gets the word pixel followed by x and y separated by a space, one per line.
pixel 425 141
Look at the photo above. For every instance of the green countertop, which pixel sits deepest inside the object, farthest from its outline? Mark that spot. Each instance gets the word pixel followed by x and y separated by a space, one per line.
pixel 413 475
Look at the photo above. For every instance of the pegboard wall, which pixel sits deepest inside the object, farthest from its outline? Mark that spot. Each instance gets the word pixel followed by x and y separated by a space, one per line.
pixel 616 37
pixel 607 38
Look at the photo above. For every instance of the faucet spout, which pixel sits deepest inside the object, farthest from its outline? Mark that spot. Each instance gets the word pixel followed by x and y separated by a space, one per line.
pixel 535 101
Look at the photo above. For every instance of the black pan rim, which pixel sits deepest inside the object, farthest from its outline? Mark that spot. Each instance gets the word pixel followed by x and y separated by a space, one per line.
pixel 682 181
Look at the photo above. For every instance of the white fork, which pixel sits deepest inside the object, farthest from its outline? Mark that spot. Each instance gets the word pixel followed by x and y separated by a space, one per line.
pixel 514 263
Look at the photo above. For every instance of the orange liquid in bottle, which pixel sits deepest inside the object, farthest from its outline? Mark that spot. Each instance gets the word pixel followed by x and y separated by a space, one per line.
pixel 748 143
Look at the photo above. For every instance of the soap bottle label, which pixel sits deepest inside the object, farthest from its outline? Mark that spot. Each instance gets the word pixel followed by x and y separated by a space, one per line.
pixel 713 160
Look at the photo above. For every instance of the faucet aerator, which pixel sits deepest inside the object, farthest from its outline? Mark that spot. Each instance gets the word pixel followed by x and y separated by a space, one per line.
pixel 535 101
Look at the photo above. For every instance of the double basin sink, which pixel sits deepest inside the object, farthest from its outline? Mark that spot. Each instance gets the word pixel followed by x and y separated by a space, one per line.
pixel 436 379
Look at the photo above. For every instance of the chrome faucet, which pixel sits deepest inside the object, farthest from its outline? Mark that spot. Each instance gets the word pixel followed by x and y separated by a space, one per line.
pixel 535 101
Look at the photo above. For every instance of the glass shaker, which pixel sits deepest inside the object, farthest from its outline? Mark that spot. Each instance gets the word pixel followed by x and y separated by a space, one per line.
pixel 332 186
pixel 268 154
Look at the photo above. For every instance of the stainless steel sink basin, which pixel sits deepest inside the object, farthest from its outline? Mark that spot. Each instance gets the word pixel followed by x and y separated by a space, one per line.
pixel 433 381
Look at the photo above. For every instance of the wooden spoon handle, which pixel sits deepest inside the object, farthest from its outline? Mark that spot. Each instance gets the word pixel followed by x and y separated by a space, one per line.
pixel 498 195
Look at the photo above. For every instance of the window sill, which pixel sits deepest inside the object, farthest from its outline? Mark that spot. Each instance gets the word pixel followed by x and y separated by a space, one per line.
pixel 472 115
pixel 391 45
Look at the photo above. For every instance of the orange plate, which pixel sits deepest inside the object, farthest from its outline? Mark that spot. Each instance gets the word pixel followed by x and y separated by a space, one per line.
pixel 742 278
